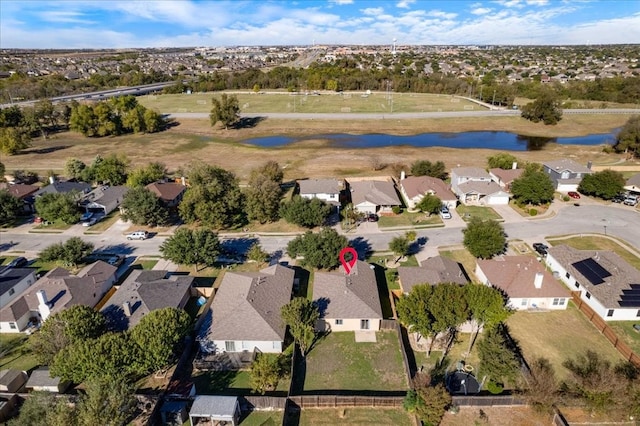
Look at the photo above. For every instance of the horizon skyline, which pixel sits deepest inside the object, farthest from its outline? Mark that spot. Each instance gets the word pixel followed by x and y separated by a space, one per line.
pixel 94 25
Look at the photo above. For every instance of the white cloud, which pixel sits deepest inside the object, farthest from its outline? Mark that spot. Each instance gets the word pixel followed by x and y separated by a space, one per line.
pixel 341 2
pixel 405 4
pixel 510 3
pixel 64 17
pixel 537 2
pixel 480 11
pixel 372 11
pixel 441 14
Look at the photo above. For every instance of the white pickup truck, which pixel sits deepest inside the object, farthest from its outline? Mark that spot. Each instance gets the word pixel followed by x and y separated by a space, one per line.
pixel 631 200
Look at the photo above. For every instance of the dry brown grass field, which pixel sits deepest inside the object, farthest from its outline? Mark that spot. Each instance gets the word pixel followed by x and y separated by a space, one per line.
pixel 197 140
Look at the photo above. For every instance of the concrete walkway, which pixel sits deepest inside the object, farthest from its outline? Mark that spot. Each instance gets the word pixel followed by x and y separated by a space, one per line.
pixel 165 265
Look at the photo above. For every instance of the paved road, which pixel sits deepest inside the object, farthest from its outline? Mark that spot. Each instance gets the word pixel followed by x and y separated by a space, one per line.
pixel 395 116
pixel 619 221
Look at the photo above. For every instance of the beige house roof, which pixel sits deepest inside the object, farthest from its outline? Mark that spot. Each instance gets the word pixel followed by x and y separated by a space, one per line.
pixel 471 172
pixel 633 181
pixel 515 275
pixel 320 186
pixel 434 270
pixel 247 305
pixel 415 186
pixel 563 164
pixel 166 191
pixel 377 192
pixel 348 296
pixel 482 188
pixel 506 176
pixel 610 291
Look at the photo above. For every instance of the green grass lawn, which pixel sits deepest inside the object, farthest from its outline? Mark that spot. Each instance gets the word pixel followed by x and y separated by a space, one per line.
pixel 484 213
pixel 263 418
pixel 338 363
pixel 355 416
pixel 230 383
pixel 596 243
pixel 15 352
pixel 105 223
pixel 558 335
pixel 52 226
pixel 625 331
pixel 145 263
pixel 409 219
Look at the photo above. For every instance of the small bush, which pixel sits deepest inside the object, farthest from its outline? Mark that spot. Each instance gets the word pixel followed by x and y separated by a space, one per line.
pixel 396 209
pixel 494 388
pixel 566 198
pixel 533 212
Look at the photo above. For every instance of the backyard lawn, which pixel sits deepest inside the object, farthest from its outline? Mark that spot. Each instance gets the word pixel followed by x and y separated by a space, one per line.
pixel 625 331
pixel 338 363
pixel 554 335
pixel 416 220
pixel 596 243
pixel 263 418
pixel 229 383
pixel 484 213
pixel 15 352
pixel 354 416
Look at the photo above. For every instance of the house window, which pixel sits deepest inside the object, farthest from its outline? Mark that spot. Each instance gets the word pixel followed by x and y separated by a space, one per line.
pixel 524 302
pixel 638 313
pixel 610 313
pixel 338 322
pixel 11 291
pixel 577 284
pixel 588 295
pixel 364 324
pixel 556 301
pixel 562 300
pixel 276 345
pixel 230 346
pixel 567 275
pixel 12 325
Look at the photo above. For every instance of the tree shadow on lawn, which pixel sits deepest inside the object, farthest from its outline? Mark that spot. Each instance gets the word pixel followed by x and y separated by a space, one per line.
pixel 248 122
pixel 383 291
pixel 216 382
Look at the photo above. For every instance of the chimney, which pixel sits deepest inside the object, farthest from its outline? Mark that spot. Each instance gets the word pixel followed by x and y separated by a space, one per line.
pixel 126 307
pixel 43 306
pixel 514 165
pixel 589 164
pixel 183 181
pixel 402 175
pixel 52 179
pixel 537 282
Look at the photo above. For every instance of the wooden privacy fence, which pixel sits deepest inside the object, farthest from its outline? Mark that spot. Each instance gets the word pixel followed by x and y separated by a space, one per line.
pixel 606 330
pixel 335 401
pixel 250 403
pixel 488 401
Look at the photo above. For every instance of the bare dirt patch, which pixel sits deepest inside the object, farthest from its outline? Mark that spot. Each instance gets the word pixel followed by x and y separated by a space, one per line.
pixel 496 416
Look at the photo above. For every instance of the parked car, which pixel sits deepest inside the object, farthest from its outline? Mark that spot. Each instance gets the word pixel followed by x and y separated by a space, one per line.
pixel 115 260
pixel 619 198
pixel 631 200
pixel 138 235
pixel 445 213
pixel 574 195
pixel 92 221
pixel 18 262
pixel 540 248
pixel 372 217
pixel 86 216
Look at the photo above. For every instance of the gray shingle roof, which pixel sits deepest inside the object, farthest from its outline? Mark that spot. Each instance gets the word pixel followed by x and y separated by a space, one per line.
pixel 470 172
pixel 378 192
pixel 213 405
pixel 42 377
pixel 348 296
pixel 64 187
pixel 482 188
pixel 9 277
pixel 106 195
pixel 320 186
pixel 247 305
pixel 563 164
pixel 634 180
pixel 434 270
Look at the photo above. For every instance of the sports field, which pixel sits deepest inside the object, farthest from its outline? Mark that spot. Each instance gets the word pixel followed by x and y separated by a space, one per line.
pixel 314 102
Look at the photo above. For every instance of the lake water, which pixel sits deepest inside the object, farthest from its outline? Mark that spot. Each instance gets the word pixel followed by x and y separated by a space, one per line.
pixel 504 141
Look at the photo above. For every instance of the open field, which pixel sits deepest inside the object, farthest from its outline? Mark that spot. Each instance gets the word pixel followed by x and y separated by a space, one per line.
pixel 338 363
pixel 326 102
pixel 552 335
pixel 195 139
pixel 496 416
pixel 355 416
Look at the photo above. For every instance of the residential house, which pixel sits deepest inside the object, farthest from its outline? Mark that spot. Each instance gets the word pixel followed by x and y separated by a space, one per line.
pixel 169 193
pixel 505 178
pixel 14 281
pixel 605 281
pixel 143 292
pixel 327 190
pixel 59 289
pixel 22 191
pixel 41 381
pixel 525 281
pixel 104 199
pixel 245 313
pixel 565 174
pixel 12 381
pixel 63 187
pixel 348 302
pixel 633 184
pixel 414 188
pixel 473 185
pixel 373 196
pixel 215 410
pixel 434 270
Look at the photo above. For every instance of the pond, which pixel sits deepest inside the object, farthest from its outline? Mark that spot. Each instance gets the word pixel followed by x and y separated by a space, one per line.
pixel 504 141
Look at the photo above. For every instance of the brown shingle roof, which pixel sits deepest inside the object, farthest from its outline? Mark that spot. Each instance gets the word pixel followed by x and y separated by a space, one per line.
pixel 19 190
pixel 434 270
pixel 348 296
pixel 507 176
pixel 378 192
pixel 420 185
pixel 166 191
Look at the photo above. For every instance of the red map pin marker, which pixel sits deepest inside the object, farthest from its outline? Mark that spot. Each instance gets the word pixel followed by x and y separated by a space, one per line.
pixel 348 264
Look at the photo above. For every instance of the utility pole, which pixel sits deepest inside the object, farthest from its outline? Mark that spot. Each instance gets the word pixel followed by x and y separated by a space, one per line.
pixel 493 102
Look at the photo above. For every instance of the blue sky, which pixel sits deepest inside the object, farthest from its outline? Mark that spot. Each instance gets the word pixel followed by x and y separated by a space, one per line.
pixel 167 23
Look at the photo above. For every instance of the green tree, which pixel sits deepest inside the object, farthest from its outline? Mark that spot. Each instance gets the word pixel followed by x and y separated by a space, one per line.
pixel 545 108
pixel 153 121
pixel 502 160
pixel 44 409
pixel 83 120
pixel 74 168
pixel 69 253
pixel 11 116
pixel 484 238
pixel 487 307
pixel 429 204
pixel 305 212
pixel 399 246
pixel 427 168
pixel 159 334
pixel 264 193
pixel 628 138
pixel 542 390
pixel 63 207
pixel 13 140
pixel 265 372
pixel 497 358
pixel 2 172
pixel 27 177
pixel 111 169
pixel 428 402
pixel 10 207
pixel 145 175
pixel 192 247
pixel 301 315
pixel 256 253
pixel 143 207
pixel 107 402
pixel 605 184
pixel 225 110
pixel 533 187
pixel 214 198
pixel 413 311
pixel 320 250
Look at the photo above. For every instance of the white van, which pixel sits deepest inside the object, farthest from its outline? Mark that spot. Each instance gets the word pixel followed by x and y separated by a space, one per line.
pixel 138 235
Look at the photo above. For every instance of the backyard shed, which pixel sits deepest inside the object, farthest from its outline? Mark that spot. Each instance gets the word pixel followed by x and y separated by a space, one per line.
pixel 41 380
pixel 12 381
pixel 174 412
pixel 211 409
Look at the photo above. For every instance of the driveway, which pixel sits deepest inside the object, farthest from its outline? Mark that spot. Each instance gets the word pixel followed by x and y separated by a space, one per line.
pixel 508 214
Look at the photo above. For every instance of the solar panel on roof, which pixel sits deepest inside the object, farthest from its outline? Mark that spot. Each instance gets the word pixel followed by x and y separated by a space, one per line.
pixel 629 304
pixel 592 271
